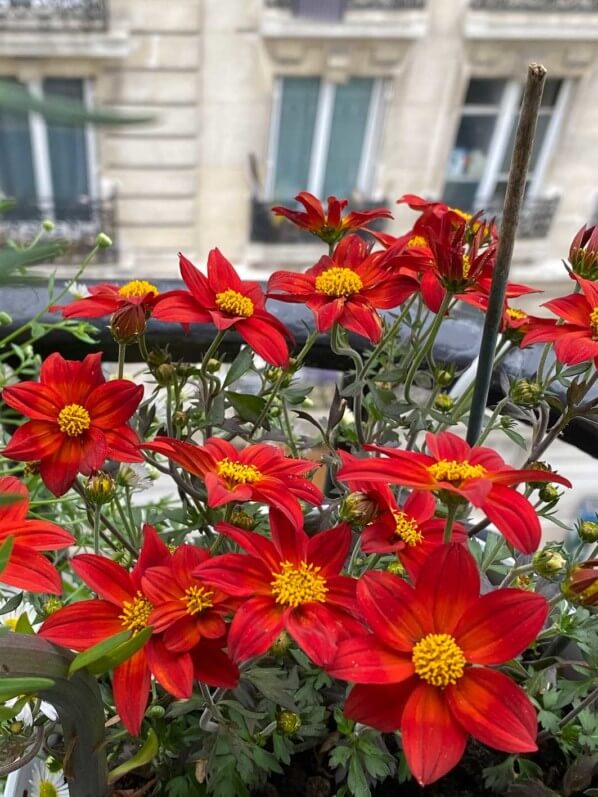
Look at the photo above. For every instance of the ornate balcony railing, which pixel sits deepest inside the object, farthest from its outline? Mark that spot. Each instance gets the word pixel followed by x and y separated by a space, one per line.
pixel 266 228
pixel 324 9
pixel 58 15
pixel 542 6
pixel 535 219
pixel 76 221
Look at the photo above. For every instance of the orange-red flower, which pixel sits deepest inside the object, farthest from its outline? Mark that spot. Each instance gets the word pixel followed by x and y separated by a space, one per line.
pixel 257 473
pixel 290 583
pixel 426 667
pixel 583 252
pixel 576 340
pixel 226 301
pixel 26 567
pixel 78 420
pixel 453 469
pixel 122 605
pixel 581 584
pixel 329 226
pixel 346 289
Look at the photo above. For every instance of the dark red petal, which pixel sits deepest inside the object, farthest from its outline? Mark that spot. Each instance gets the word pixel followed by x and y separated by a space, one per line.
pixel 447 445
pixel 28 569
pixel 83 624
pixel 131 686
pixel 113 403
pixel 212 666
pixel 254 628
pixel 448 584
pixel 174 671
pixel 379 707
pixel 197 282
pixel 182 307
pixel 291 543
pixel 365 660
pixel 236 574
pixel 107 578
pixel 328 549
pixel 39 535
pixel 34 400
pixel 316 629
pixel 265 340
pixel 34 440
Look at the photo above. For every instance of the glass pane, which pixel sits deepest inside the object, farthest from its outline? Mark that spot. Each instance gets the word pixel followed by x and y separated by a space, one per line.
pixel 351 106
pixel 460 195
pixel 551 93
pixel 68 155
pixel 485 91
pixel 468 157
pixel 541 128
pixel 16 162
pixel 297 119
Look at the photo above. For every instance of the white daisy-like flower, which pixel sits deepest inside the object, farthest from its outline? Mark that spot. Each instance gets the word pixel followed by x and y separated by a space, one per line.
pixel 79 290
pixel 10 619
pixel 44 783
pixel 136 476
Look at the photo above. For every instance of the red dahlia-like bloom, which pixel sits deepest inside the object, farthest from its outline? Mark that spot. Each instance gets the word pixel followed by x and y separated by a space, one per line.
pixel 122 605
pixel 455 469
pixel 411 530
pixel 290 583
pixel 575 340
pixel 257 473
pixel 26 567
pixel 329 226
pixel 224 300
pixel 184 608
pixel 346 289
pixel 78 420
pixel 424 669
pixel 583 252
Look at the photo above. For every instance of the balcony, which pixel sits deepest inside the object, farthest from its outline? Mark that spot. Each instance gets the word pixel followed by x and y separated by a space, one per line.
pixel 325 9
pixel 538 20
pixel 53 15
pixel 76 221
pixel 541 6
pixel 535 219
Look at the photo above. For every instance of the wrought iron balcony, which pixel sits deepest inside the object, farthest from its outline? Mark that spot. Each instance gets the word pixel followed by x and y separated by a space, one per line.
pixel 535 219
pixel 57 15
pixel 334 9
pixel 542 6
pixel 76 221
pixel 267 228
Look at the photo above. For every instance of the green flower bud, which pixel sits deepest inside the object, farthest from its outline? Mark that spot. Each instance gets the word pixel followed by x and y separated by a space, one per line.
pixel 549 493
pixel 103 241
pixel 281 644
pixel 165 374
pixel 48 225
pixel 549 562
pixel 288 722
pixel 5 319
pixel 156 712
pixel 525 393
pixel 213 365
pixel 16 727
pixel 444 377
pixel 51 605
pixel 100 488
pixel 587 530
pixel 242 520
pixel 396 568
pixel 358 509
pixel 444 402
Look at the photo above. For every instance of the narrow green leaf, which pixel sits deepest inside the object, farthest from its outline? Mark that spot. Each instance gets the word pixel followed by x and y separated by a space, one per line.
pixel 10 498
pixel 141 757
pixel 248 408
pixel 5 552
pixel 110 652
pixel 13 687
pixel 23 625
pixel 11 604
pixel 12 259
pixel 239 366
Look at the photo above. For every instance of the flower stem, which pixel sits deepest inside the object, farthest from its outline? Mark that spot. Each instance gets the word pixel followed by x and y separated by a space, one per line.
pixel 97 515
pixel 338 347
pixel 122 349
pixel 450 520
pixel 427 347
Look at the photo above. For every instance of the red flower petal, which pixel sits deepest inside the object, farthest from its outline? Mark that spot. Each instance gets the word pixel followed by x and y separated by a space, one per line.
pixel 105 577
pixel 316 628
pixel 113 403
pixel 236 574
pixel 197 282
pixel 265 339
pixel 34 440
pixel 17 510
pixel 180 306
pixel 254 628
pixel 365 660
pixel 131 686
pixel 38 535
pixel 174 671
pixel 448 585
pixel 514 517
pixel 28 569
pixel 212 666
pixel 379 707
pixel 83 624
pixel 37 401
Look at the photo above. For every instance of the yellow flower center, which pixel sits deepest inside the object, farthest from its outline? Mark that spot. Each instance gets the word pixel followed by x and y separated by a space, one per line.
pixel 407 529
pixel 136 613
pixel 417 240
pixel 299 584
pixel 462 213
pixel 516 314
pixel 73 420
pixel 594 323
pixel 449 470
pixel 197 599
pixel 47 789
pixel 236 473
pixel 11 623
pixel 338 282
pixel 234 303
pixel 466 266
pixel 438 660
pixel 138 288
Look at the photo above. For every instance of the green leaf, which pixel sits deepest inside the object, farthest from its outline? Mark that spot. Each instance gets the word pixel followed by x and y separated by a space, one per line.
pixel 11 604
pixel 12 259
pixel 10 498
pixel 23 625
pixel 248 408
pixel 5 552
pixel 13 687
pixel 239 366
pixel 143 756
pixel 110 652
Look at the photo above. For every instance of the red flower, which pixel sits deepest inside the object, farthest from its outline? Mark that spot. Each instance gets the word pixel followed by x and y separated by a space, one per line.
pixel 583 252
pixel 330 226
pixel 575 340
pixel 424 667
pixel 292 583
pixel 453 468
pixel 581 584
pixel 122 605
pixel 27 568
pixel 411 530
pixel 223 299
pixel 78 420
pixel 185 609
pixel 346 289
pixel 257 473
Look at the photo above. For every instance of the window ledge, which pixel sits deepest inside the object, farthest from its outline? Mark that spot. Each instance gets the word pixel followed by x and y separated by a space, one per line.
pixel 261 258
pixel 112 44
pixel 370 24
pixel 525 26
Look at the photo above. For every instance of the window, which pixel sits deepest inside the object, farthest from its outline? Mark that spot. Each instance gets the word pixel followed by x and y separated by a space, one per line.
pixel 323 137
pixel 44 165
pixel 478 166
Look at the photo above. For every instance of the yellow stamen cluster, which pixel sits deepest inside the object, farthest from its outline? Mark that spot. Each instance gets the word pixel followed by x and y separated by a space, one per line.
pixel 438 660
pixel 46 789
pixel 73 420
pixel 515 314
pixel 407 529
pixel 594 323
pixel 337 282
pixel 462 213
pixel 449 470
pixel 298 584
pixel 235 303
pixel 197 599
pixel 466 266
pixel 11 623
pixel 137 288
pixel 236 473
pixel 136 613
pixel 417 240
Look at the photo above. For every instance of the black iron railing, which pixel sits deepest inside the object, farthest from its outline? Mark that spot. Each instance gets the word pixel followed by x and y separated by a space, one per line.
pixel 270 229
pixel 543 6
pixel 326 8
pixel 58 15
pixel 535 219
pixel 76 221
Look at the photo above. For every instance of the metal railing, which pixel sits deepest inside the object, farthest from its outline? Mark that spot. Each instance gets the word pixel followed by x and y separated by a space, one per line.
pixel 324 9
pixel 270 229
pixel 535 219
pixel 76 221
pixel 542 6
pixel 58 15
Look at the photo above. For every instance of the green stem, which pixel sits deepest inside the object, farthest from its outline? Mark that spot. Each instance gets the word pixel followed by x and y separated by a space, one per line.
pixel 97 515
pixel 338 347
pixel 289 430
pixel 423 352
pixel 141 342
pixel 388 336
pixel 212 349
pixel 450 520
pixel 122 350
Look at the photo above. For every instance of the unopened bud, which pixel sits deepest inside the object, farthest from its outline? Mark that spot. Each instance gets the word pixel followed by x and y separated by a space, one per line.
pixel 180 418
pixel 281 644
pixel 5 318
pixel 288 722
pixel 165 373
pixel 242 520
pixel 128 323
pixel 581 584
pixel 549 493
pixel 48 225
pixel 587 531
pixel 16 727
pixel 103 241
pixel 275 411
pixel 444 377
pixel 31 469
pixel 156 712
pixel 524 581
pixel 358 509
pixel 549 562
pixel 100 488
pixel 396 568
pixel 213 365
pixel 525 393
pixel 51 605
pixel 444 402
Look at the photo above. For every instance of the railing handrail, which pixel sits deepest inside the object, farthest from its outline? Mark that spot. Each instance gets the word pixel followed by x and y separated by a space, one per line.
pixel 536 6
pixel 59 15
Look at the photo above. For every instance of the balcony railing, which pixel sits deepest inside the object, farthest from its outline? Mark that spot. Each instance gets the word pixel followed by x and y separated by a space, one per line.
pixel 266 228
pixel 58 15
pixel 326 9
pixel 76 221
pixel 542 6
pixel 535 219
